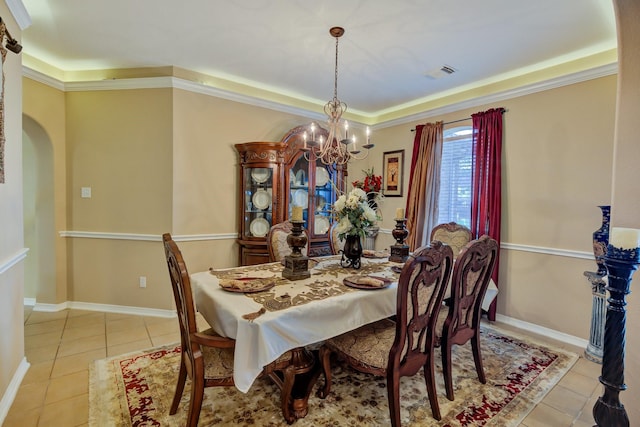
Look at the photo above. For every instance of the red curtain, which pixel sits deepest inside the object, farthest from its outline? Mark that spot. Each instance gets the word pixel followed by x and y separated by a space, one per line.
pixel 487 167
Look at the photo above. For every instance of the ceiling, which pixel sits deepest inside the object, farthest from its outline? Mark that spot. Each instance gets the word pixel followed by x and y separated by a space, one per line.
pixel 284 46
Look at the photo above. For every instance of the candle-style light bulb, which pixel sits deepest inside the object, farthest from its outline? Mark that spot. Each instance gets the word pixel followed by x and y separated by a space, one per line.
pixel 321 141
pixel 368 134
pixel 313 132
pixel 354 149
pixel 346 129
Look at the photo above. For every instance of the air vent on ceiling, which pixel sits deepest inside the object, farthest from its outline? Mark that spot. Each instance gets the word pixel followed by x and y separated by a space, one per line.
pixel 440 72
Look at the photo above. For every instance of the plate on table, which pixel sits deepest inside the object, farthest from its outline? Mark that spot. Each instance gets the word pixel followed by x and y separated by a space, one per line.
pixel 321 224
pixel 367 282
pixel 261 199
pixel 247 285
pixel 259 227
pixel 260 175
pixel 322 176
pixel 368 253
pixel 301 198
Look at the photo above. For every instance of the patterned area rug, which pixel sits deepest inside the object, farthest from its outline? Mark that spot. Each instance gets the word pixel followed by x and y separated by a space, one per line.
pixel 137 389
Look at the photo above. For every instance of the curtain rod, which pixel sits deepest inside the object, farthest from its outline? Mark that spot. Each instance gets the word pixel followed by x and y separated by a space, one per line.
pixel 448 123
pixel 461 120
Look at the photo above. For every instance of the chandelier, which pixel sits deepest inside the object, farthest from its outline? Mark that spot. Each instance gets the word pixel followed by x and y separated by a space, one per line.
pixel 339 147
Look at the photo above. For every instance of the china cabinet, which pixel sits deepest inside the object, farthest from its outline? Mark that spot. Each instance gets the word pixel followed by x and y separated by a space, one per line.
pixel 274 177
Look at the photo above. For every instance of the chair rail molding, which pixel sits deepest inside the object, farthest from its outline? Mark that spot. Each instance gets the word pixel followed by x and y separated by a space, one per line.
pixel 7 263
pixel 146 237
pixel 534 249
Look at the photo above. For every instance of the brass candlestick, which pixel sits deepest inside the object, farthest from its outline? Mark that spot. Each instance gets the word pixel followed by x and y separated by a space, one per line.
pixel 296 265
pixel 400 251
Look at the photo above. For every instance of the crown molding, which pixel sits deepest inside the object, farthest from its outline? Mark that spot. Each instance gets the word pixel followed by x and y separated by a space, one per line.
pixel 39 77
pixel 19 13
pixel 568 79
pixel 178 83
pixel 167 82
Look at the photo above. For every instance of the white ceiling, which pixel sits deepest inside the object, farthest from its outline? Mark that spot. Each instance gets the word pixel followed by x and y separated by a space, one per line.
pixel 285 46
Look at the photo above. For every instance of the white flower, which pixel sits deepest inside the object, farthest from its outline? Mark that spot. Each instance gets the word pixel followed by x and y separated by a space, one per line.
pixel 353 213
pixel 370 215
pixel 339 205
pixel 359 193
pixel 353 201
pixel 344 225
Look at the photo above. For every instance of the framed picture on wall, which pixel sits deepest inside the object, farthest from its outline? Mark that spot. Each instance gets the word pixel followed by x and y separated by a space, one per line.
pixel 392 173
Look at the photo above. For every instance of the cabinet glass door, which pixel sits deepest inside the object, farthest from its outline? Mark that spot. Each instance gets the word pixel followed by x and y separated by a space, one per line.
pixel 258 201
pixel 299 189
pixel 324 197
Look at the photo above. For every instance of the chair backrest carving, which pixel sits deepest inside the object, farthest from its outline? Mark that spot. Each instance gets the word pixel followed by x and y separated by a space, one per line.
pixel 277 241
pixel 452 234
pixel 471 276
pixel 421 289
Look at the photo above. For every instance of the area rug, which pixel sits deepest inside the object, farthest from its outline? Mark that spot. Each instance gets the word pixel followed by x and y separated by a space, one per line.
pixel 137 389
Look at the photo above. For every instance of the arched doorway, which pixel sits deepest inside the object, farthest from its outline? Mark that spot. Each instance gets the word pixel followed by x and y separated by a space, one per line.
pixel 38 202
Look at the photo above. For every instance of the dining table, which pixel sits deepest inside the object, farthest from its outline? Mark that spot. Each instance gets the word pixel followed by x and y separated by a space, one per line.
pixel 292 314
pixel 289 315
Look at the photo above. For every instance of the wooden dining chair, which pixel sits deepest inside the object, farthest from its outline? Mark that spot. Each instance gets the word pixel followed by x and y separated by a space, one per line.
pixel 401 348
pixel 460 321
pixel 452 234
pixel 334 241
pixel 206 357
pixel 277 241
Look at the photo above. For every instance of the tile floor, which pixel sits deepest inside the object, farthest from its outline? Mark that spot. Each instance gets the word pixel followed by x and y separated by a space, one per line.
pixel 60 346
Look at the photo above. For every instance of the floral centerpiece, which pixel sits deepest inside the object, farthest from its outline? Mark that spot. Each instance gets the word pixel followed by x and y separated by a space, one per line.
pixel 353 214
pixel 371 185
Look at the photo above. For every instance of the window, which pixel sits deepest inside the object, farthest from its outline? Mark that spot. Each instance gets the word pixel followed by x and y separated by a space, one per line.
pixel 454 202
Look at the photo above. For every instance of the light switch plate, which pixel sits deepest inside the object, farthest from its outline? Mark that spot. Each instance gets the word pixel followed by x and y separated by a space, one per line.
pixel 85 192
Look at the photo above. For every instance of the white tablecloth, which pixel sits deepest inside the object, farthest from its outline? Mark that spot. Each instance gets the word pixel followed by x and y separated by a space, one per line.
pixel 263 340
pixel 313 316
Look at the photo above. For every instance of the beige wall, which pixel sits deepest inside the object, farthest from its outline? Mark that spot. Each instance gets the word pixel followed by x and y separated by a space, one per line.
pixel 205 172
pixel 557 167
pixel 119 144
pixel 11 233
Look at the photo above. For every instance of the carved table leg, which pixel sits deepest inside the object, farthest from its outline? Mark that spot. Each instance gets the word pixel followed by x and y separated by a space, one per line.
pixel 608 411
pixel 296 384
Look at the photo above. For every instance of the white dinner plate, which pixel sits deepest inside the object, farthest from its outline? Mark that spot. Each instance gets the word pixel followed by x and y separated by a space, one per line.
pixel 320 202
pixel 259 227
pixel 322 176
pixel 301 198
pixel 260 175
pixel 261 199
pixel 321 224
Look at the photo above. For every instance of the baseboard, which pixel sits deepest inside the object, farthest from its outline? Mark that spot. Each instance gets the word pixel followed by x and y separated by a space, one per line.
pixel 29 302
pixel 541 330
pixel 108 308
pixel 12 390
